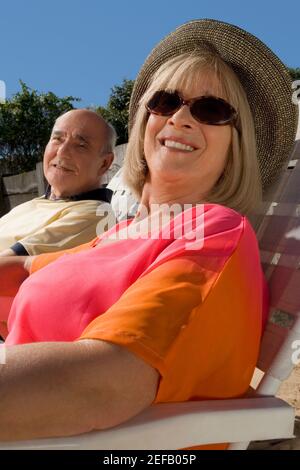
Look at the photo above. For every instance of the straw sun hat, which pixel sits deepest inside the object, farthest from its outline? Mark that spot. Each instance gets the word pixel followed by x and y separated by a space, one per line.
pixel 265 79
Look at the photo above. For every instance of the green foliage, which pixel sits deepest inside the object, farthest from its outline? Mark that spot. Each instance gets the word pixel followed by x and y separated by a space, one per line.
pixel 26 122
pixel 295 73
pixel 116 111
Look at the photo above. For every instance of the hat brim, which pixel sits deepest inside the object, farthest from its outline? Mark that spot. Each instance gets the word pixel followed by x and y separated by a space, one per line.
pixel 265 79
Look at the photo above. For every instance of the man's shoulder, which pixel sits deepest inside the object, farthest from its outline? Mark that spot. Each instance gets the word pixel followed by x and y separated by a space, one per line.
pixel 23 207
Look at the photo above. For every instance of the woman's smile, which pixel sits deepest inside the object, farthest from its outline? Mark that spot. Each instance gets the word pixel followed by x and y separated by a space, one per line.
pixel 173 143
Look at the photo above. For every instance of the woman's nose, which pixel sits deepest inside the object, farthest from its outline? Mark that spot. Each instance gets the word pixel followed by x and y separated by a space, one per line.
pixel 182 118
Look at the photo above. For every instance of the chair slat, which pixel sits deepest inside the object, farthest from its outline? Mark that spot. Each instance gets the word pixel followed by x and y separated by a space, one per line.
pixel 273 339
pixel 284 285
pixel 281 234
pixel 291 190
pixel 278 233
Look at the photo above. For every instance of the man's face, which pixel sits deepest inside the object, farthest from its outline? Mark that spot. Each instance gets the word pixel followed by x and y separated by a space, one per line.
pixel 72 160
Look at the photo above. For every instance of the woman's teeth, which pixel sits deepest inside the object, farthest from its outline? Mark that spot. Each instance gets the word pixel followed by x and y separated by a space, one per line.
pixel 178 145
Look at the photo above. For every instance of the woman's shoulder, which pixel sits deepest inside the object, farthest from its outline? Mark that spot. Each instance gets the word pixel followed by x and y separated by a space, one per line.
pixel 217 226
pixel 209 233
pixel 227 217
pixel 223 212
pixel 215 217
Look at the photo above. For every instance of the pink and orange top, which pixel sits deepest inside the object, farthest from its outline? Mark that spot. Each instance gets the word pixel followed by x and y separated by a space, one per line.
pixel 191 308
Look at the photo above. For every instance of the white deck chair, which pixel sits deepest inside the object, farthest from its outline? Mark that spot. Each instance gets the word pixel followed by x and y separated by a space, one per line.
pixel 259 416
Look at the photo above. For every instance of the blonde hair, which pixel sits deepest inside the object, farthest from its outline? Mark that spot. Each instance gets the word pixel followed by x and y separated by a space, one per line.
pixel 239 187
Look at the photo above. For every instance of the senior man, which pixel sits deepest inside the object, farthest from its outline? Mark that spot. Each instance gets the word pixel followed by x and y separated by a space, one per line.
pixel 79 152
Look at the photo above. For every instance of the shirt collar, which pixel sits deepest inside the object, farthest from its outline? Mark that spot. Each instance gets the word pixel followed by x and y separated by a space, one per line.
pixel 99 194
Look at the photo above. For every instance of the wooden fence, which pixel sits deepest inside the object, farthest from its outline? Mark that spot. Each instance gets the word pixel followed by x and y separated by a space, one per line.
pixel 21 188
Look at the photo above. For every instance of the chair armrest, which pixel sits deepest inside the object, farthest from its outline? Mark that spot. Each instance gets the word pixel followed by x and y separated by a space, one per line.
pixel 178 425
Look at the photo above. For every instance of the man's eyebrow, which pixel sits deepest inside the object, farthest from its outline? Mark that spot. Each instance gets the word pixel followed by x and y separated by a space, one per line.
pixel 83 138
pixel 57 132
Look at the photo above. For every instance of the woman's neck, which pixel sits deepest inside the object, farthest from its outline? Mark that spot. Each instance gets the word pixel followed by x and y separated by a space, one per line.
pixel 155 195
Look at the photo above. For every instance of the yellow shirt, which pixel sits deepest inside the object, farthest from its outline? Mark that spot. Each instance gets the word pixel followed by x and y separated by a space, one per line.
pixel 42 225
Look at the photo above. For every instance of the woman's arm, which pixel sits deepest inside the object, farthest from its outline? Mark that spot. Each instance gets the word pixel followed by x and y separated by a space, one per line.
pixel 61 389
pixel 13 271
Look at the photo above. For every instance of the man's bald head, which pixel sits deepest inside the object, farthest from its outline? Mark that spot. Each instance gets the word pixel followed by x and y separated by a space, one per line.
pixel 89 115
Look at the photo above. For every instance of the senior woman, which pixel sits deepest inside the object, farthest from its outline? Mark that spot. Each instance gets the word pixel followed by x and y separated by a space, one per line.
pixel 167 306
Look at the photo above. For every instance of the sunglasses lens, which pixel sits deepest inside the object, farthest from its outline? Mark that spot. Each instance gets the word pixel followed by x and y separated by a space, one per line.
pixel 206 109
pixel 212 110
pixel 164 102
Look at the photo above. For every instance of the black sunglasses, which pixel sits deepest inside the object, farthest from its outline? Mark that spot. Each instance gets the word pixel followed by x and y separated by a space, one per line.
pixel 206 109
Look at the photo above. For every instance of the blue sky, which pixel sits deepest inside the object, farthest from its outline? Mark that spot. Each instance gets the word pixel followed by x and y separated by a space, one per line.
pixel 84 47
